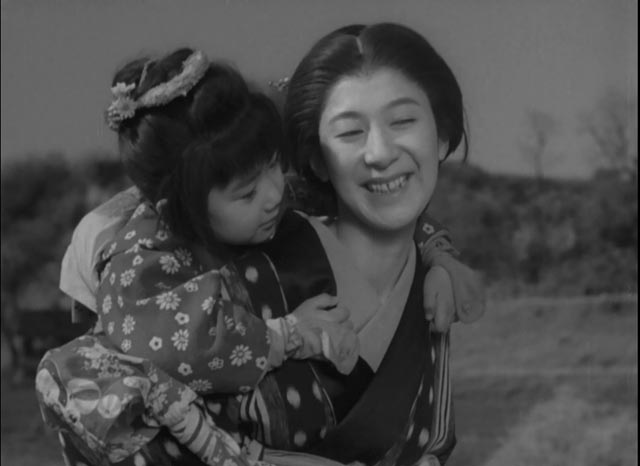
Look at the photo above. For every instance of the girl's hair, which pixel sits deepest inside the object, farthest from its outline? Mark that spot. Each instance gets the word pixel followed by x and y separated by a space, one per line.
pixel 358 49
pixel 179 151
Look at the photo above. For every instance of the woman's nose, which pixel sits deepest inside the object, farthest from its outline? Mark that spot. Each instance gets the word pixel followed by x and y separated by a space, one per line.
pixel 380 151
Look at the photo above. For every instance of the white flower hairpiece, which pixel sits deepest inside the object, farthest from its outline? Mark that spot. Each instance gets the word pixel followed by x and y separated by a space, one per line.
pixel 123 106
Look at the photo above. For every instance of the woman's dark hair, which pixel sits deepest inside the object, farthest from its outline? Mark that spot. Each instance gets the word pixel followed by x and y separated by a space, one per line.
pixel 179 151
pixel 357 49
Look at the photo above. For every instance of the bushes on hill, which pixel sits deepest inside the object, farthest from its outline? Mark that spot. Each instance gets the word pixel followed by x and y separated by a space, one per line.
pixel 558 237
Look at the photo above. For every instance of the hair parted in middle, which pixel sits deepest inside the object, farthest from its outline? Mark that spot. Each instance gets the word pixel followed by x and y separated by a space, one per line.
pixel 178 152
pixel 358 49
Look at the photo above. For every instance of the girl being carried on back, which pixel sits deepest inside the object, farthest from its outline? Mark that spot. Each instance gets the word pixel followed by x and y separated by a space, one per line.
pixel 176 320
pixel 204 151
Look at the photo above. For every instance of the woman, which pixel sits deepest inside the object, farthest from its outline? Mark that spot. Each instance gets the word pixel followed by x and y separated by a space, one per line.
pixel 370 114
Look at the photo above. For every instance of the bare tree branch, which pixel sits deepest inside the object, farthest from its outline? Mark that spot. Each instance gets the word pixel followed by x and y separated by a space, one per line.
pixel 540 128
pixel 612 125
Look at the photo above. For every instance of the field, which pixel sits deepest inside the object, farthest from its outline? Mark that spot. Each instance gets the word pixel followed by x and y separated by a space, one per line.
pixel 550 382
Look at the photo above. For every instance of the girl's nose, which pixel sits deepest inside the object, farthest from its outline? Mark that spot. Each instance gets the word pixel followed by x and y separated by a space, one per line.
pixel 275 189
pixel 380 151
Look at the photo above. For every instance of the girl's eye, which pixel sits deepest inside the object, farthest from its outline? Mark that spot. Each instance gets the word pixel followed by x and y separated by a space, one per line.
pixel 249 195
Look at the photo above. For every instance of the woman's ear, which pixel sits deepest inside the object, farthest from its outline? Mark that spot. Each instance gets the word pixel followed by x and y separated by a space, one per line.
pixel 318 166
pixel 443 148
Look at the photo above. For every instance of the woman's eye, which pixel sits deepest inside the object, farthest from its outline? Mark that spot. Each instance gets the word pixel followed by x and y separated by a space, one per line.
pixel 402 122
pixel 349 134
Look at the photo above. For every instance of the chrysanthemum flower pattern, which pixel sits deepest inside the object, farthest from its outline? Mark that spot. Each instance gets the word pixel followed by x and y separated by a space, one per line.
pixel 126 277
pixel 169 264
pixel 106 304
pixel 184 256
pixel 200 385
pixel 240 355
pixel 180 339
pixel 128 325
pixel 168 300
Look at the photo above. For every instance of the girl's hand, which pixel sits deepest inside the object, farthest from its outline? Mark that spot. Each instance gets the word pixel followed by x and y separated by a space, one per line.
pixel 439 302
pixel 320 328
pixel 452 292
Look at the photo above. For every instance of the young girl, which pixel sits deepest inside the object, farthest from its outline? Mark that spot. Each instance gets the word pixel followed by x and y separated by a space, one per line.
pixel 203 151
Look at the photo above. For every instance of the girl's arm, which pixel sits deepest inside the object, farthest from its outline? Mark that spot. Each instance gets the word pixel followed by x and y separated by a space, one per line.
pixel 462 298
pixel 156 304
pixel 156 301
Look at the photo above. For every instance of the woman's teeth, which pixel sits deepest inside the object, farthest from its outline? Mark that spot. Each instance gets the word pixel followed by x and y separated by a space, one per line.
pixel 389 187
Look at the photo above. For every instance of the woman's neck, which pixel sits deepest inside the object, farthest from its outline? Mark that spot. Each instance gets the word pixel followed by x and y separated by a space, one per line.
pixel 380 256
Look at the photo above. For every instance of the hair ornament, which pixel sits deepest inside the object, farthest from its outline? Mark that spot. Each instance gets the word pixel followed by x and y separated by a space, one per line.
pixel 143 75
pixel 124 106
pixel 281 85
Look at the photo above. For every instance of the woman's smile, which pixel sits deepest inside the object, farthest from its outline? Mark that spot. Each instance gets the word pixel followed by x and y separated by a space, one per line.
pixel 387 186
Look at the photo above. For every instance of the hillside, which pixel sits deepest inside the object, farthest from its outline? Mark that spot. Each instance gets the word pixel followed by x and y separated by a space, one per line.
pixel 554 237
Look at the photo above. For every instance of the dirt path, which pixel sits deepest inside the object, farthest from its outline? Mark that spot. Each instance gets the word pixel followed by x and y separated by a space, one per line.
pixel 534 383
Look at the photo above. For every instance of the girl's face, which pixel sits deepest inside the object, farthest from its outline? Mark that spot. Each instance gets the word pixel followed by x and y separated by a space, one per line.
pixel 381 149
pixel 247 210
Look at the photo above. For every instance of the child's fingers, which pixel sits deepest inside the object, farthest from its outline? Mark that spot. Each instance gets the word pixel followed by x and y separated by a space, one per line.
pixel 320 302
pixel 444 315
pixel 338 314
pixel 470 297
pixel 429 302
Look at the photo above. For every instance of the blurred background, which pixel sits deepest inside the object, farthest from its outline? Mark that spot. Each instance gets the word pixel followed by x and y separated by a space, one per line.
pixel 546 205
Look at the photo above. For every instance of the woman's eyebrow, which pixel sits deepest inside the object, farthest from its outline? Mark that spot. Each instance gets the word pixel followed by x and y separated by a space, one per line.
pixel 402 101
pixel 346 115
pixel 353 115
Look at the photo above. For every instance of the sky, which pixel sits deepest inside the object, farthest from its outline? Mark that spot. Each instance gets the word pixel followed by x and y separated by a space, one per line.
pixel 511 57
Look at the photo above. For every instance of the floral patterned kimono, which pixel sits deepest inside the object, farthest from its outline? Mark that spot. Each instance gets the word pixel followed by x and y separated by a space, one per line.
pixel 179 337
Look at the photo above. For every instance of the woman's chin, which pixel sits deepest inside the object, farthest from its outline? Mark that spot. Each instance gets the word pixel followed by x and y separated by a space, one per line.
pixel 390 221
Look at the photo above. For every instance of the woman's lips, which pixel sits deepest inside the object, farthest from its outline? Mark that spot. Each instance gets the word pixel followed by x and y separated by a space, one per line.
pixel 388 185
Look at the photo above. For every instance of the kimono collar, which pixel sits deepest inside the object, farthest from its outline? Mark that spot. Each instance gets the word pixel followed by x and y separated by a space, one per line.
pixel 375 321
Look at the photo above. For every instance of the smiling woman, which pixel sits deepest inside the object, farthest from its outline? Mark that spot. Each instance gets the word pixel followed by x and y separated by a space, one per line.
pixel 371 112
pixel 381 148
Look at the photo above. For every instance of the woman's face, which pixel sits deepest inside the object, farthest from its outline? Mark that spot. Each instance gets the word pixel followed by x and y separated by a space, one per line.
pixel 247 211
pixel 381 148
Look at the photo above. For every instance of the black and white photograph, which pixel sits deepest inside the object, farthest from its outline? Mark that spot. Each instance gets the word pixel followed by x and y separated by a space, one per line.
pixel 301 233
